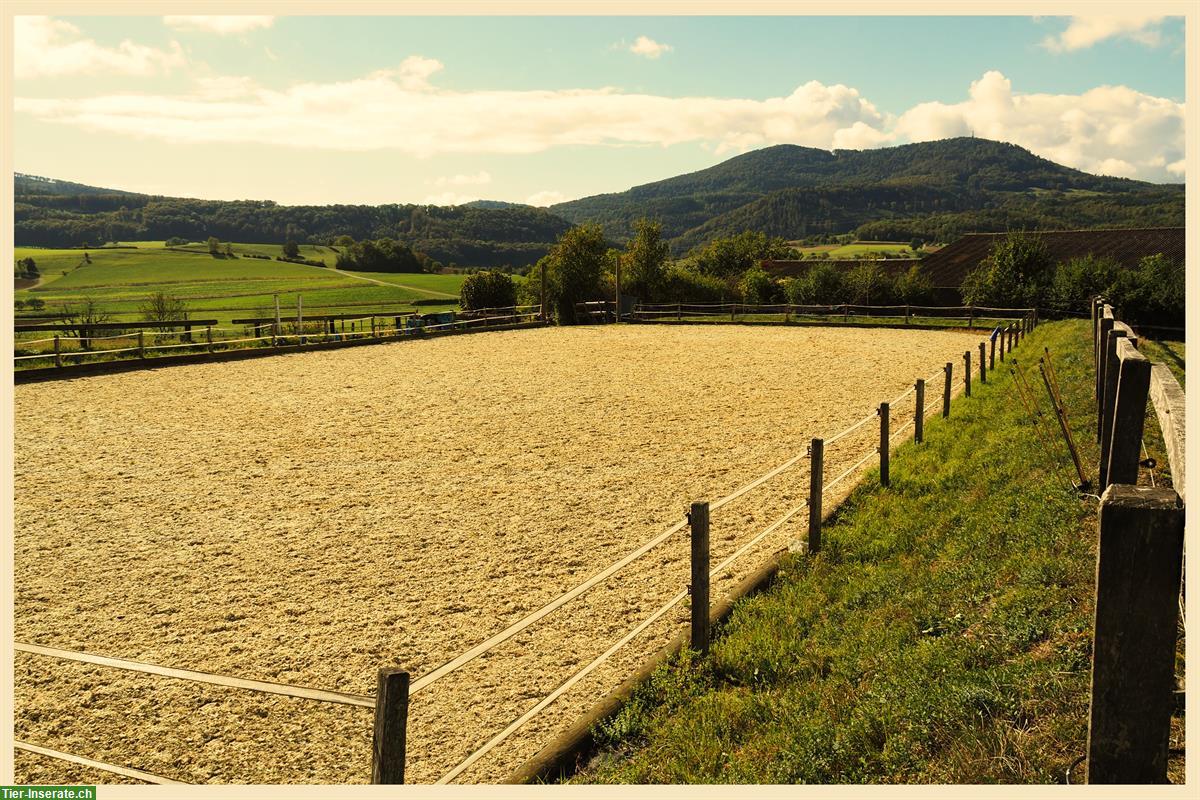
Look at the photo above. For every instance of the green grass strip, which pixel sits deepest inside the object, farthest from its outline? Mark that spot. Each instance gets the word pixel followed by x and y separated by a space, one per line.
pixel 942 634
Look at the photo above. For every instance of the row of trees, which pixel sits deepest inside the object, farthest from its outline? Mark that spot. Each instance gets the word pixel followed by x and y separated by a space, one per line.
pixel 1019 271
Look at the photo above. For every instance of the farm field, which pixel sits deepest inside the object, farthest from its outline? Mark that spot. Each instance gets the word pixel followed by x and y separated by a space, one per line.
pixel 223 288
pixel 856 249
pixel 313 517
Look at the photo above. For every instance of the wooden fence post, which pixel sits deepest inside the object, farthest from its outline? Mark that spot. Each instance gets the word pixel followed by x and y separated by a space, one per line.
pixel 845 312
pixel 992 360
pixel 816 486
pixel 971 316
pixel 391 727
pixel 698 519
pixel 1108 397
pixel 919 417
pixel 946 391
pixel 187 332
pixel 141 344
pixel 884 478
pixel 1128 418
pixel 57 351
pixel 208 336
pixel 1106 325
pixel 679 312
pixel 967 371
pixel 907 314
pixel 1133 657
pixel 982 362
pixel 1000 337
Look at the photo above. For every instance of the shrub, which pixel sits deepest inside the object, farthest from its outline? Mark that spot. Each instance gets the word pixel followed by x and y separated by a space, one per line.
pixel 1017 272
pixel 914 286
pixel 757 287
pixel 821 285
pixel 176 241
pixel 575 267
pixel 1152 294
pixel 1078 280
pixel 683 283
pixel 489 289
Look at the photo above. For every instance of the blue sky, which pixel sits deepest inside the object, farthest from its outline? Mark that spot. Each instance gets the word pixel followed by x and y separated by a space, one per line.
pixel 538 109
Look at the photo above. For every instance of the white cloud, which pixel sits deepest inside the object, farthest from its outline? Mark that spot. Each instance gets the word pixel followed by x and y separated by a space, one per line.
pixel 43 46
pixel 270 53
pixel 645 46
pixel 478 179
pixel 218 24
pixel 545 198
pixel 448 199
pixel 1110 128
pixel 1083 32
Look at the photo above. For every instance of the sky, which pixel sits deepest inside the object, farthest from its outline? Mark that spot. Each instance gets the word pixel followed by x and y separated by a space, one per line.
pixel 443 110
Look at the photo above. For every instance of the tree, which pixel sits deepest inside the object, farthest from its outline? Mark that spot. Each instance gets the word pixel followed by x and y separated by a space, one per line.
pixel 229 250
pixel 865 284
pixel 489 289
pixel 576 265
pixel 291 249
pixel 756 286
pixel 343 241
pixel 1018 271
pixel 821 285
pixel 1077 280
pixel 35 304
pixel 644 259
pixel 914 286
pixel 27 267
pixel 731 256
pixel 214 245
pixel 162 307
pixel 917 243
pixel 79 316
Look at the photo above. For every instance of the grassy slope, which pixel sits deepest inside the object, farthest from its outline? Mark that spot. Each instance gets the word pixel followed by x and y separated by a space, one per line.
pixel 120 279
pixel 942 635
pixel 856 249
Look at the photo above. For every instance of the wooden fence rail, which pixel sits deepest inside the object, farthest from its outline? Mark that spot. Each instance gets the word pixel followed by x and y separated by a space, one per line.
pixel 1139 562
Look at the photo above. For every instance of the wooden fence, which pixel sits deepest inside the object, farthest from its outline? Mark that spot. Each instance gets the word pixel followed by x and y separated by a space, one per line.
pixel 1139 563
pixel 129 340
pixel 604 311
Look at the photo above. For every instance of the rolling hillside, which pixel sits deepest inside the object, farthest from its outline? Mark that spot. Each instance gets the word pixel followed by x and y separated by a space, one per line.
pixel 934 190
pixel 937 190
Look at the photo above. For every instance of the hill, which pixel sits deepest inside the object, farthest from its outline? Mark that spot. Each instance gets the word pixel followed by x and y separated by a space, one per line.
pixel 933 189
pixel 51 213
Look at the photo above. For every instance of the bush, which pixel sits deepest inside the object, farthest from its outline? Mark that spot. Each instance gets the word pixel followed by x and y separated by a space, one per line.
pixel 757 287
pixel 867 284
pixel 914 286
pixel 176 241
pixel 576 265
pixel 682 283
pixel 490 289
pixel 1152 294
pixel 821 285
pixel 1078 280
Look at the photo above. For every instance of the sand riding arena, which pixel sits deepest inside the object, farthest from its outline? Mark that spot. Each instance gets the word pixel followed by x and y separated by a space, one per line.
pixel 310 518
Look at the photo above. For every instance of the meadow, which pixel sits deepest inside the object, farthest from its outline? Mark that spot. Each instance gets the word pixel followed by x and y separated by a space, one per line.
pixel 858 249
pixel 120 278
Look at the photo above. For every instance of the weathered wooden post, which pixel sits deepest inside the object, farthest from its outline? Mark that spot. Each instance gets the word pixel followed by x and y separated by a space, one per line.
pixel 300 318
pixel 919 416
pixel 391 727
pixel 732 310
pixel 907 314
pixel 1133 656
pixel 545 317
pixel 187 332
pixel 982 362
pixel 1106 325
pixel 373 326
pixel 617 317
pixel 1000 336
pixel 1108 396
pixel 971 316
pixel 946 391
pixel 57 351
pixel 208 336
pixel 679 312
pixel 845 312
pixel 883 445
pixel 1128 417
pixel 816 483
pixel 967 372
pixel 698 519
pixel 992 359
pixel 141 343
pixel 275 332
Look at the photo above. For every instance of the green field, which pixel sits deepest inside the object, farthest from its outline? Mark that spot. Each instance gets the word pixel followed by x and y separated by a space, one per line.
pixel 857 249
pixel 223 288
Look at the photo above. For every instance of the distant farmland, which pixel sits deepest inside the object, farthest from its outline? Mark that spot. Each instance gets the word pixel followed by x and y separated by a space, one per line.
pixel 119 279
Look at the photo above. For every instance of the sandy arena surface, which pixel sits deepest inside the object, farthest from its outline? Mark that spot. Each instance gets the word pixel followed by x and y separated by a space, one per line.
pixel 310 518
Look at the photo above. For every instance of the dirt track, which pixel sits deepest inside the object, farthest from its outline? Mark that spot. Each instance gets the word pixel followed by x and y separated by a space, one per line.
pixel 313 517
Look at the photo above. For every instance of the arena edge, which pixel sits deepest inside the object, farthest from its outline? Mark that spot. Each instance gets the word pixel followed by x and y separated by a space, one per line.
pixel 942 634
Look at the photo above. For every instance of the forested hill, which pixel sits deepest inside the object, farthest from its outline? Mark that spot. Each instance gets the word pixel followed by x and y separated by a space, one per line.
pixel 936 190
pixel 63 214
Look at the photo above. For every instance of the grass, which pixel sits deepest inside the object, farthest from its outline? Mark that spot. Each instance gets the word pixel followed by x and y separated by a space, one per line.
pixel 1172 354
pixel 942 635
pixel 225 288
pixel 856 249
